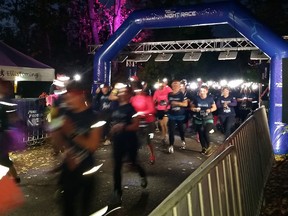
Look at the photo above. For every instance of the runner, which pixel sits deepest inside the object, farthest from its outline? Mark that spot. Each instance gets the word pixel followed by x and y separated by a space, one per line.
pixel 203 105
pixel 125 125
pixel 144 106
pixel 160 99
pixel 176 114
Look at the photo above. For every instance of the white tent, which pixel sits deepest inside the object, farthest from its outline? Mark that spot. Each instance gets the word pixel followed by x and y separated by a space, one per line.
pixel 16 66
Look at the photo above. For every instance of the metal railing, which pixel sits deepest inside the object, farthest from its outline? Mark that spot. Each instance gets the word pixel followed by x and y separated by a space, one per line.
pixel 232 180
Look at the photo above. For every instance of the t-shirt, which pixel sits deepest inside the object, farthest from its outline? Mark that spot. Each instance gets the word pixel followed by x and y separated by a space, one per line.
pixel 124 114
pixel 176 110
pixel 204 104
pixel 102 103
pixel 144 103
pixel 83 122
pixel 161 98
pixel 229 111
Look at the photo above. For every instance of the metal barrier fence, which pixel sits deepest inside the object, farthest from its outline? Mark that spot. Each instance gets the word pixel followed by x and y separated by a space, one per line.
pixel 32 112
pixel 232 180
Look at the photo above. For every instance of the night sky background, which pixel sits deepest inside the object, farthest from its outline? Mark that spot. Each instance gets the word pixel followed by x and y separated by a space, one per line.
pixel 58 34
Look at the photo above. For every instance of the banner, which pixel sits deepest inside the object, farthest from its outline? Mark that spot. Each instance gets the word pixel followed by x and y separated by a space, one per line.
pixel 26 74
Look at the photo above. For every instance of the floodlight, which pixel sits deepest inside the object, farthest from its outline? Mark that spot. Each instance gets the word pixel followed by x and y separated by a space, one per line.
pixel 164 57
pixel 142 58
pixel 228 55
pixel 193 56
pixel 258 55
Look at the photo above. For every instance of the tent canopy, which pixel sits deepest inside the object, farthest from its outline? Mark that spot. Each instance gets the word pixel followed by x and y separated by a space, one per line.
pixel 16 66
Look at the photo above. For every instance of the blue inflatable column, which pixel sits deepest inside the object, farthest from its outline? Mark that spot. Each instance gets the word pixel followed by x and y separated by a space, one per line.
pixel 279 140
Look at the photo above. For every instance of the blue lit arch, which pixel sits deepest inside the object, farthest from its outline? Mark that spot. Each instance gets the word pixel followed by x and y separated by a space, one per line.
pixel 205 14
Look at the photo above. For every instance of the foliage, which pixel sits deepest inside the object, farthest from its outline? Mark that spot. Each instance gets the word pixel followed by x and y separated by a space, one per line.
pixel 58 32
pixel 273 14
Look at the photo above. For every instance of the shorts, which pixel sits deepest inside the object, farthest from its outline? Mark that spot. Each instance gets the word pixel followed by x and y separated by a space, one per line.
pixel 146 134
pixel 160 114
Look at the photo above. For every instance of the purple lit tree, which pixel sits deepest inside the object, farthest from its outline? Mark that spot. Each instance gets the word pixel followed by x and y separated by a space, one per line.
pixel 105 20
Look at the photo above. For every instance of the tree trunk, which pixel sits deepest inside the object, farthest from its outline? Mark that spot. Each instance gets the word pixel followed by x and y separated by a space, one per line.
pixel 93 21
pixel 117 14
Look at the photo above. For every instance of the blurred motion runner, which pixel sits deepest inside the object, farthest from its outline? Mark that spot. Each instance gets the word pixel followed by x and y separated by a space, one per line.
pixel 78 140
pixel 125 124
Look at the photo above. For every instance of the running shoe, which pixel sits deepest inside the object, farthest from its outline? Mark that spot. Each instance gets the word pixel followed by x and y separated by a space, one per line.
pixel 107 142
pixel 203 151
pixel 171 149
pixel 183 147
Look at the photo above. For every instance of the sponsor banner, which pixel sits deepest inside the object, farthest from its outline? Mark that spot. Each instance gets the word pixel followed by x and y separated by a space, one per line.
pixel 27 74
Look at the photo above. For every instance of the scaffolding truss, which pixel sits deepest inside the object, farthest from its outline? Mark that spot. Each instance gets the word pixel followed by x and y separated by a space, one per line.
pixel 185 46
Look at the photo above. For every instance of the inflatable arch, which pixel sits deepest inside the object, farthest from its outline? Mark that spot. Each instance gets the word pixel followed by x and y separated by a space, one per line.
pixel 206 14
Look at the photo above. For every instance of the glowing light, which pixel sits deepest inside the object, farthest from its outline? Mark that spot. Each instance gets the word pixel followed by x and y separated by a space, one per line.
pixel 193 85
pixel 165 80
pixel 138 114
pixel 199 79
pixel 7 103
pixel 104 210
pixel 120 85
pixel 137 90
pixel 254 86
pixel 98 124
pixel 235 83
pixel 77 77
pixel 59 83
pixel 59 92
pixel 216 86
pixel 223 82
pixel 93 170
pixel 156 85
pixel 63 78
pixel 209 83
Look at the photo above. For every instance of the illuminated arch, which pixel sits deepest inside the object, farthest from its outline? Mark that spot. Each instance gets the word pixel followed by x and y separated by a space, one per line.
pixel 206 14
